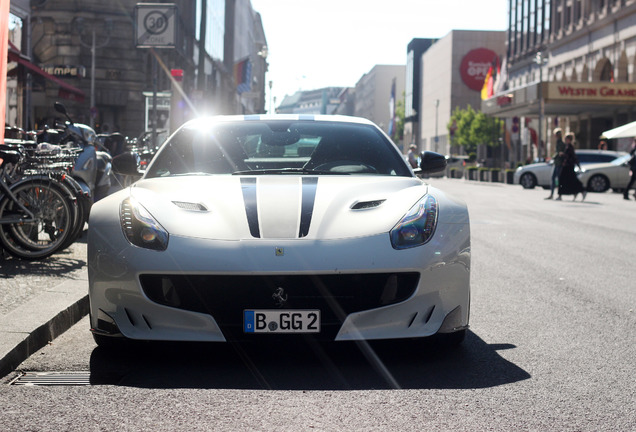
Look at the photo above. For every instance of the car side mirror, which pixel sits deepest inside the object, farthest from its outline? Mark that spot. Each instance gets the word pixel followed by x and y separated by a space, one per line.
pixel 126 163
pixel 431 162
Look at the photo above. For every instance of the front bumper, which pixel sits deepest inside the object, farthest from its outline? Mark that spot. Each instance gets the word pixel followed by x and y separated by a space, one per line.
pixel 438 285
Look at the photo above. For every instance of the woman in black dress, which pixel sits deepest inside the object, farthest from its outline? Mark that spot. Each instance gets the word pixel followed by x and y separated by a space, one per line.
pixel 569 184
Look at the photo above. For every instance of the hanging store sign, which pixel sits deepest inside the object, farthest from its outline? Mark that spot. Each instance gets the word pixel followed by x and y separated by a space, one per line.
pixel 597 92
pixel 65 71
pixel 156 25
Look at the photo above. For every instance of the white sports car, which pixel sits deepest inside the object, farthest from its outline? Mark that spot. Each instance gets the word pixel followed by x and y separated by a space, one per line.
pixel 248 227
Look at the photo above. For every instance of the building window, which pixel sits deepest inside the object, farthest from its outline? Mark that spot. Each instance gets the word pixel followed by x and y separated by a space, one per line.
pixel 607 73
pixel 577 12
pixel 547 18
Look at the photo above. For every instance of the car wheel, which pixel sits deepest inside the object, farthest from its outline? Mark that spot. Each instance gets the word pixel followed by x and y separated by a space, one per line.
pixel 528 181
pixel 598 183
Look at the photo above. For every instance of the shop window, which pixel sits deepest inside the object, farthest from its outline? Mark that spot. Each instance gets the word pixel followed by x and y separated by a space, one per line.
pixel 604 71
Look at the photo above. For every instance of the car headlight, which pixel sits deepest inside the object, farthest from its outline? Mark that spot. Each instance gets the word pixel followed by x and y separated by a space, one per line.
pixel 140 228
pixel 417 226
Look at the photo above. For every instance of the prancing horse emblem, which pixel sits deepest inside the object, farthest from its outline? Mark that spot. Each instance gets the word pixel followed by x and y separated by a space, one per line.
pixel 279 297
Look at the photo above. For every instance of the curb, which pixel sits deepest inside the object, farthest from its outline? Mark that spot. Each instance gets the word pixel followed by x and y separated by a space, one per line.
pixel 33 325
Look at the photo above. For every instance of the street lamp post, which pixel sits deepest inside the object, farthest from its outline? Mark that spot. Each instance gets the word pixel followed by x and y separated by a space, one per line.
pixel 540 60
pixel 270 97
pixel 80 25
pixel 436 118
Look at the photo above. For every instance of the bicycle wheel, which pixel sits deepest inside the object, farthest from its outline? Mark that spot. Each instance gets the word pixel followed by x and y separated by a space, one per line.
pixel 79 206
pixel 52 223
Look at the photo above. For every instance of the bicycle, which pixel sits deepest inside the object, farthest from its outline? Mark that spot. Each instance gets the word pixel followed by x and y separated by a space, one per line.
pixel 36 214
pixel 58 164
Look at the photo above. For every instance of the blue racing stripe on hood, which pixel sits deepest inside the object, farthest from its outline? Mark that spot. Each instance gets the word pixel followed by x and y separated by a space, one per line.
pixel 248 186
pixel 310 184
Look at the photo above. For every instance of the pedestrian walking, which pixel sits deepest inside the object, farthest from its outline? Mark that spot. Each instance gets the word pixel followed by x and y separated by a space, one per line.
pixel 632 171
pixel 569 184
pixel 557 160
pixel 412 155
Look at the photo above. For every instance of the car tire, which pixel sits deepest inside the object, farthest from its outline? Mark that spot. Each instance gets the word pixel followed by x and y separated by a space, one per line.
pixel 528 181
pixel 598 183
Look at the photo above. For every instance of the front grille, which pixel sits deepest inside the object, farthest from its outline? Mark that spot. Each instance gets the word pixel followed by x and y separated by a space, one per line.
pixel 226 297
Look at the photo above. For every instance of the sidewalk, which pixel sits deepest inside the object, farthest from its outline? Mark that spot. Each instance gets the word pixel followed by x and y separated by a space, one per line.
pixel 30 326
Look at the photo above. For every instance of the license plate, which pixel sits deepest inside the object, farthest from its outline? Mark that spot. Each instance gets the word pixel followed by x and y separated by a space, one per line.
pixel 281 321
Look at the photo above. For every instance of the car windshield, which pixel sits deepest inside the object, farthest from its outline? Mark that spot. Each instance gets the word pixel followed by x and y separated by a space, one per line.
pixel 278 147
pixel 621 160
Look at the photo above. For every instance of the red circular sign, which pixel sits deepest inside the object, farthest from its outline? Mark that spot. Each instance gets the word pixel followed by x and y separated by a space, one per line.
pixel 474 67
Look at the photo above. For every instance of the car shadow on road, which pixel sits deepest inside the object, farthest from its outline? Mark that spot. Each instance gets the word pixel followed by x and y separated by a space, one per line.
pixel 306 366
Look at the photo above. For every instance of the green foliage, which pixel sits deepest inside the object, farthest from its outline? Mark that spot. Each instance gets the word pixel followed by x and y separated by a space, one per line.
pixel 474 128
pixel 398 134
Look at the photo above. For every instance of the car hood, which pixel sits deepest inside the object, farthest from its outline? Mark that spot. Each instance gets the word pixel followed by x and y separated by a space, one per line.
pixel 278 207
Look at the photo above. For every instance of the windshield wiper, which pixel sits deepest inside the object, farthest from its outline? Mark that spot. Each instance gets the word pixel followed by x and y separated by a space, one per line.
pixel 288 171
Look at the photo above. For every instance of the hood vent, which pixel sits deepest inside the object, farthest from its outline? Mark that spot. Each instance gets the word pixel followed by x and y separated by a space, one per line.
pixel 363 205
pixel 190 206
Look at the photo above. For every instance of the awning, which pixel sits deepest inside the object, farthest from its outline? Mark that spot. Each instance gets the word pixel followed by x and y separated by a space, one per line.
pixel 67 91
pixel 625 131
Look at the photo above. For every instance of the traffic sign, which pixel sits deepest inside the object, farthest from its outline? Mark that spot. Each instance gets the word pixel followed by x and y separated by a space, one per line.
pixel 156 25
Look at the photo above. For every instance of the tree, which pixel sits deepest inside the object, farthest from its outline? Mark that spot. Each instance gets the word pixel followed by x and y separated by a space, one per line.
pixel 472 128
pixel 398 133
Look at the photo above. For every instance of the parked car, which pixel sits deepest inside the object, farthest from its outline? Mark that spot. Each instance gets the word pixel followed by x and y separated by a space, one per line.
pixel 457 162
pixel 540 174
pixel 253 227
pixel 603 176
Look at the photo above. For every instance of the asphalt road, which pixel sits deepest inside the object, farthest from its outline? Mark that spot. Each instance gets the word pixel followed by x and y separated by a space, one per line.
pixel 551 348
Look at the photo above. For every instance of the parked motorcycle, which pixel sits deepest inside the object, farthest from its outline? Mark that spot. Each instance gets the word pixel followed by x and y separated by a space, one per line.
pixel 92 168
pixel 120 148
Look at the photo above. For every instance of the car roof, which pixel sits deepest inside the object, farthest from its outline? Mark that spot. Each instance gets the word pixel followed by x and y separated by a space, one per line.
pixel 592 151
pixel 205 121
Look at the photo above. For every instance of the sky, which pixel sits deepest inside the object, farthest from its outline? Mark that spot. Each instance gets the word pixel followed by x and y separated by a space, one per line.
pixel 323 43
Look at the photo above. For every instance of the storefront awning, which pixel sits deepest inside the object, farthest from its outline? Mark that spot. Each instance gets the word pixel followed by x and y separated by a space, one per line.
pixel 66 91
pixel 625 131
pixel 562 99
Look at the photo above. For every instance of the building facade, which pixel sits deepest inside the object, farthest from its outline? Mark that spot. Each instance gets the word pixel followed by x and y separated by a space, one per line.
pixel 571 64
pixel 87 55
pixel 250 51
pixel 375 91
pixel 453 71
pixel 414 51
pixel 320 101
